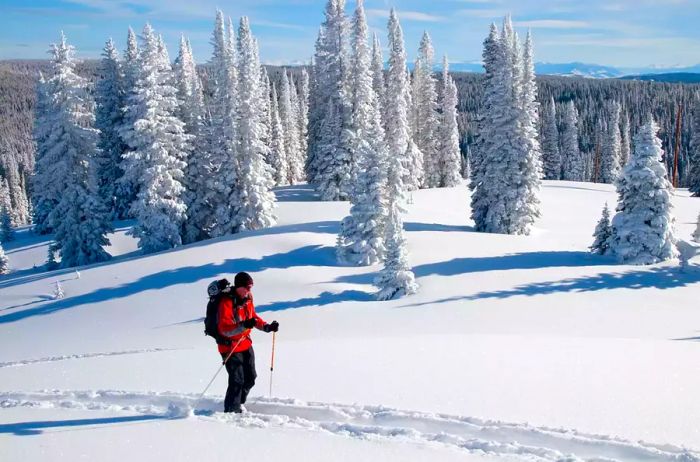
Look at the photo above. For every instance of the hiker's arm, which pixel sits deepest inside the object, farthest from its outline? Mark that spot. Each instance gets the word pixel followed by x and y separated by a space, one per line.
pixel 227 324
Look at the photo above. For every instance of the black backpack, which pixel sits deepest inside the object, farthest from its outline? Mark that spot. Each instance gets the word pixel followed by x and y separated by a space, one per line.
pixel 216 291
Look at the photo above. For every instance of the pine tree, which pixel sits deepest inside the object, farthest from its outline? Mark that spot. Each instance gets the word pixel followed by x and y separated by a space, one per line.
pixel 290 127
pixel 19 204
pixel 611 146
pixel 6 233
pixel 4 262
pixel 255 207
pixel 378 82
pixel 80 219
pixel 506 196
pixel 125 188
pixel 397 106
pixel 303 118
pixel 643 228
pixel 158 149
pixel 625 139
pixel 278 156
pixel 109 99
pixel 266 110
pixel 448 155
pixel 222 133
pixel 696 234
pixel 551 156
pixel 694 155
pixel 425 113
pixel 573 168
pixel 602 233
pixel 361 238
pixel 192 113
pixel 331 164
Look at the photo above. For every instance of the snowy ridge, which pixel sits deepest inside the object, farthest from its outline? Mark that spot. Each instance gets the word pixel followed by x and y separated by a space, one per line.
pixel 51 359
pixel 368 422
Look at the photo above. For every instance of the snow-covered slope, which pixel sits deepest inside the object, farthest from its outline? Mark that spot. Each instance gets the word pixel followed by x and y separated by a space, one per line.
pixel 515 347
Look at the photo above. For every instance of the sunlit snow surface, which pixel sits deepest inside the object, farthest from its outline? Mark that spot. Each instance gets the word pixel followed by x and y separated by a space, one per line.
pixel 515 348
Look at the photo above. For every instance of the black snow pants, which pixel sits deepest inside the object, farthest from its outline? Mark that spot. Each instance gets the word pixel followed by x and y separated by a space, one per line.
pixel 241 378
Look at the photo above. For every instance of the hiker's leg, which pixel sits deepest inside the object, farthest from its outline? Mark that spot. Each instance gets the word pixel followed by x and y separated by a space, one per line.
pixel 236 379
pixel 249 373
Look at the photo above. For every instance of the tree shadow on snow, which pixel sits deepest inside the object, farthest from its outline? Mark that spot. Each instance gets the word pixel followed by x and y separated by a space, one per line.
pixel 652 278
pixel 37 427
pixel 312 255
pixel 516 261
pixel 297 193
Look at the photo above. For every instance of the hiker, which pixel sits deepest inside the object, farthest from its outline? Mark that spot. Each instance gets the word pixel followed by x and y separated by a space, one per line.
pixel 236 318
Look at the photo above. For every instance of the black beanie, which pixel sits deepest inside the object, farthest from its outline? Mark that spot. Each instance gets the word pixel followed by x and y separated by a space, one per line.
pixel 242 279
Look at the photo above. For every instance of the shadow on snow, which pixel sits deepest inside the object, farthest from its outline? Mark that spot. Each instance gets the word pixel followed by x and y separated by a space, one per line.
pixel 37 427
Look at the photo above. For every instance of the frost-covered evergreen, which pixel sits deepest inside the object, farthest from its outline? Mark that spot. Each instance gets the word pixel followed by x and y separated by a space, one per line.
pixel 222 133
pixel 266 108
pixel 192 112
pixel 19 209
pixel 303 118
pixel 331 166
pixel 551 157
pixel 361 238
pixel 288 113
pixel 4 262
pixel 256 201
pixel 158 149
pixel 602 233
pixel 425 115
pixel 624 139
pixel 506 196
pixel 6 233
pixel 696 234
pixel 397 106
pixel 448 156
pixel 125 188
pixel 277 156
pixel 694 155
pixel 573 162
pixel 643 228
pixel 611 146
pixel 378 82
pixel 109 100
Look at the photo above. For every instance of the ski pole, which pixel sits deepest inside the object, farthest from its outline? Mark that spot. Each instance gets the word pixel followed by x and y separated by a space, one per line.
pixel 220 367
pixel 272 361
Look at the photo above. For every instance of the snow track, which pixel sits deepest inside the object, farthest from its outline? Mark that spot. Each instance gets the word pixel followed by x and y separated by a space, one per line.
pixel 51 359
pixel 369 422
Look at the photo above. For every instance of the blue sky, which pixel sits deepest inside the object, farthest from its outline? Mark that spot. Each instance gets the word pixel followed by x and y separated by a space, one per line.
pixel 622 33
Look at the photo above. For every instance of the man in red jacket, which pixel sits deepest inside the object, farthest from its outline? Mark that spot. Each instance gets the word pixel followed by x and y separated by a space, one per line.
pixel 236 318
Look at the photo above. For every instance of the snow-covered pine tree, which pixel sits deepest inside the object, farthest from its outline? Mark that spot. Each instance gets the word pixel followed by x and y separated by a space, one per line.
pixel 125 188
pixel 602 233
pixel 109 100
pixel 266 109
pixel 506 197
pixel 256 203
pixel 643 227
pixel 467 164
pixel 551 157
pixel 6 233
pixel 696 234
pixel 694 154
pixel 624 139
pixel 277 156
pixel 425 113
pixel 290 126
pixel 303 118
pixel 611 146
pixel 378 82
pixel 80 219
pixel 332 166
pixel 361 238
pixel 19 204
pixel 222 132
pixel 192 112
pixel 449 157
pixel 4 262
pixel 573 166
pixel 397 105
pixel 158 149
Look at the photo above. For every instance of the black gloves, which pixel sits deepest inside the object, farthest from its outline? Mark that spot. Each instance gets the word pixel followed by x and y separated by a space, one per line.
pixel 274 326
pixel 249 323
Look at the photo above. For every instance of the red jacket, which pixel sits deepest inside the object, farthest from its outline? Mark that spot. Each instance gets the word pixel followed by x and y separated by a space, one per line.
pixel 231 323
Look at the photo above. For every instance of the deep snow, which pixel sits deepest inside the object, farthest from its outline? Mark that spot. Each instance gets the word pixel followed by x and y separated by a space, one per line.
pixel 515 347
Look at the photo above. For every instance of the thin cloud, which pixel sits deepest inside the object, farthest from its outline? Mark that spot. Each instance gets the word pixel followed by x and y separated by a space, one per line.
pixel 482 13
pixel 405 15
pixel 553 24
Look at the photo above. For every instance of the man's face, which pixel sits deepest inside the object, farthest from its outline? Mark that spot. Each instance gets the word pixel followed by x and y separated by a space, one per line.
pixel 243 292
